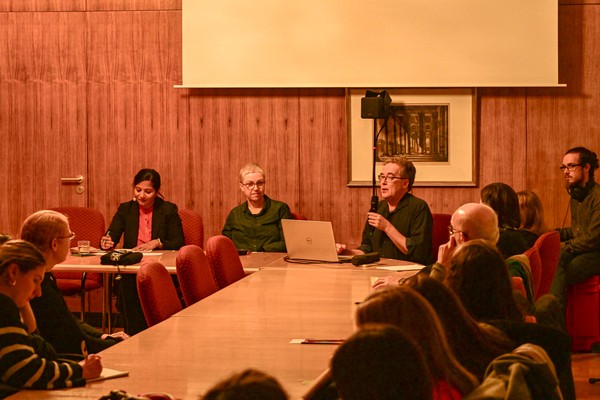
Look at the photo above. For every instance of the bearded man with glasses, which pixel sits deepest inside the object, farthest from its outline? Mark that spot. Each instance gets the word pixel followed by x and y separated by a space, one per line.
pixel 580 254
pixel 255 225
pixel 402 226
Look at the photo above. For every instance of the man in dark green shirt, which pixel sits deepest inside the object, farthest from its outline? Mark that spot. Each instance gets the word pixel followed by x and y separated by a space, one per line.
pixel 402 226
pixel 256 224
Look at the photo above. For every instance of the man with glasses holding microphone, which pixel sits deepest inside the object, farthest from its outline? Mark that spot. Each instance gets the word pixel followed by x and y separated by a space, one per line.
pixel 580 254
pixel 255 225
pixel 402 225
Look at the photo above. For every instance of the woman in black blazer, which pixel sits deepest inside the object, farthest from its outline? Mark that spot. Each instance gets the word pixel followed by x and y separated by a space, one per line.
pixel 147 222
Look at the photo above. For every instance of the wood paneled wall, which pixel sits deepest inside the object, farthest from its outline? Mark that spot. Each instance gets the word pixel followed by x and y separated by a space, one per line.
pixel 100 74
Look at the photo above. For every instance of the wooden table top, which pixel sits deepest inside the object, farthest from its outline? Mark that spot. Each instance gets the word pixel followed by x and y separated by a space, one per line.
pixel 248 324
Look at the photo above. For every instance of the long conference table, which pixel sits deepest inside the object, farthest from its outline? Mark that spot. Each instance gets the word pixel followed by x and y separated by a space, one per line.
pixel 248 324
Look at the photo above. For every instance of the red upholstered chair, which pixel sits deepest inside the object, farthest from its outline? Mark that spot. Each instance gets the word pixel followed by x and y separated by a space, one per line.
pixel 535 264
pixel 157 292
pixel 87 224
pixel 298 216
pixel 517 285
pixel 440 232
pixel 224 260
pixel 196 278
pixel 583 313
pixel 193 230
pixel 548 246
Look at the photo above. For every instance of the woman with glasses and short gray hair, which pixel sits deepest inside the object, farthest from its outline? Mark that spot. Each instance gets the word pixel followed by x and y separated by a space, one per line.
pixel 255 225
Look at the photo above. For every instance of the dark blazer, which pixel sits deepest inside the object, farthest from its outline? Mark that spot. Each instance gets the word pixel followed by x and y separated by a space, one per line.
pixel 166 224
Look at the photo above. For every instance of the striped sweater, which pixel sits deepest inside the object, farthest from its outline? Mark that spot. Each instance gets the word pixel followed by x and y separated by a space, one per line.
pixel 20 366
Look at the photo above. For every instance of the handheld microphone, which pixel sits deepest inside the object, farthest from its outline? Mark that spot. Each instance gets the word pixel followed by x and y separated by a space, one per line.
pixel 368 258
pixel 374 203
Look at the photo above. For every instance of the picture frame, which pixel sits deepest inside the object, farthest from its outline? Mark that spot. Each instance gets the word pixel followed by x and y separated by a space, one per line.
pixel 458 164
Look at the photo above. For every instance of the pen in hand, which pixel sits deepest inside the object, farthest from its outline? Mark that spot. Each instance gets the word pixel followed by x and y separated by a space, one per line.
pixel 104 240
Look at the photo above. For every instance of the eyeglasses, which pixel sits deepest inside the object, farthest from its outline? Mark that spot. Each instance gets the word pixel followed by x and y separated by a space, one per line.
pixel 70 237
pixel 252 185
pixel 452 231
pixel 569 167
pixel 391 178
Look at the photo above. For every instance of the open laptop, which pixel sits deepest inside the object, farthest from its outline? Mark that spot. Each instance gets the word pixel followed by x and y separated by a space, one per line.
pixel 310 241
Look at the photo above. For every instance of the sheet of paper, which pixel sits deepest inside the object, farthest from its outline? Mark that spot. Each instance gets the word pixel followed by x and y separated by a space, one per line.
pixel 410 267
pixel 108 373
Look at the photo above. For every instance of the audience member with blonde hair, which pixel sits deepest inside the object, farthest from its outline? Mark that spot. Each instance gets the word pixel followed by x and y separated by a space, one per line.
pixel 532 215
pixel 405 308
pixel 22 269
pixel 49 231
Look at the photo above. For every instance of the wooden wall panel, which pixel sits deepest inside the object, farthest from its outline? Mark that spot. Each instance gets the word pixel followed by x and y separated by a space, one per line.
pixel 559 119
pixel 42 122
pixel 136 118
pixel 229 128
pixel 42 5
pixel 133 5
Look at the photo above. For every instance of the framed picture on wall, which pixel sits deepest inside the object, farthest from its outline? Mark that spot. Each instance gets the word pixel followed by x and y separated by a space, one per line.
pixel 434 128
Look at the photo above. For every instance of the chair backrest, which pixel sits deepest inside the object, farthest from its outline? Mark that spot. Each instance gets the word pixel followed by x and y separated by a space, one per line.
pixel 157 292
pixel 535 265
pixel 87 224
pixel 298 216
pixel 548 245
pixel 196 278
pixel 193 229
pixel 440 232
pixel 224 260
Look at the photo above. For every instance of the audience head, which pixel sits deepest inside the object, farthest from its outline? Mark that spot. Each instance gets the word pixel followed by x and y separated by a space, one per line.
pixel 22 268
pixel 49 231
pixel 532 212
pixel 381 362
pixel 578 166
pixel 249 384
pixel 252 182
pixel 405 308
pixel 479 276
pixel 475 221
pixel 503 199
pixel 146 186
pixel 474 345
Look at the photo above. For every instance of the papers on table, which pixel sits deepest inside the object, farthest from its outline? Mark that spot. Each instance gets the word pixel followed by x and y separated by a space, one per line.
pixel 409 267
pixel 108 373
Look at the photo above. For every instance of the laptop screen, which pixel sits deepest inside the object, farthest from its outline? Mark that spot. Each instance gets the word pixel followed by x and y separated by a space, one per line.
pixel 309 240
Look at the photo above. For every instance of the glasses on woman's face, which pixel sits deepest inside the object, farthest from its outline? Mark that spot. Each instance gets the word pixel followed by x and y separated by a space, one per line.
pixel 70 237
pixel 252 185
pixel 391 178
pixel 569 167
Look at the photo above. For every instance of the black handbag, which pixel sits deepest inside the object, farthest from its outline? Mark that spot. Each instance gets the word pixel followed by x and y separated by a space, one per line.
pixel 121 257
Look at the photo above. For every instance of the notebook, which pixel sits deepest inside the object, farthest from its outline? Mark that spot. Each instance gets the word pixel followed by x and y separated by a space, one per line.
pixel 310 241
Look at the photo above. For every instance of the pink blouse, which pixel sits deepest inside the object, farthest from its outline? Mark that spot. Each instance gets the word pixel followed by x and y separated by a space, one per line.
pixel 145 226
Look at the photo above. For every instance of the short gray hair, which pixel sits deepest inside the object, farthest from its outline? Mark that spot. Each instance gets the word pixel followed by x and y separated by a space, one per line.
pixel 250 168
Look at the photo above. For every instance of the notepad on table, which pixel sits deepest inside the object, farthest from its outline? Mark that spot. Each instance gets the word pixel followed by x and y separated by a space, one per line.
pixel 409 267
pixel 109 373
